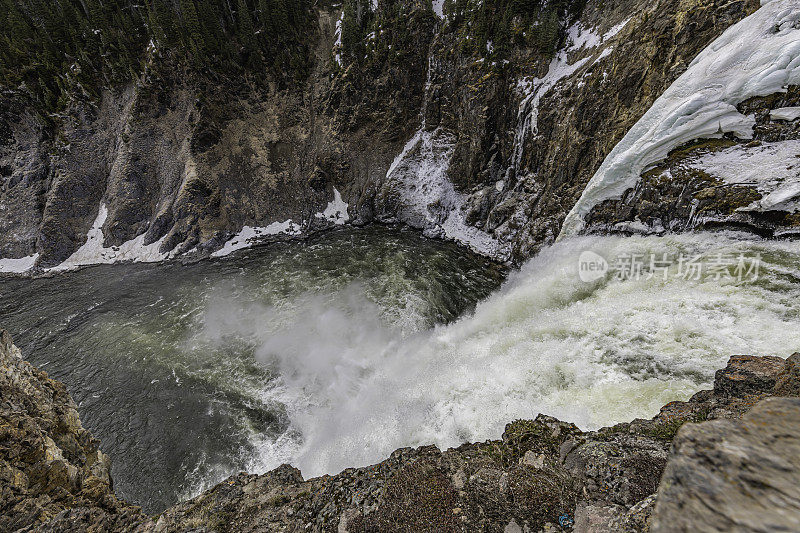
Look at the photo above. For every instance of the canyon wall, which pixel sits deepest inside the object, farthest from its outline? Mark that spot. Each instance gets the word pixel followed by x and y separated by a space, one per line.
pixel 488 147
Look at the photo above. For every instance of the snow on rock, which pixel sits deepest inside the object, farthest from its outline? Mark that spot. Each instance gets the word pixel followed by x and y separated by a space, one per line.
pixel 580 37
pixel 337 45
pixel 756 57
pixel 427 200
pixel 336 211
pixel 533 89
pixel 244 239
pixel 774 168
pixel 93 252
pixel 785 113
pixel 18 266
pixel 438 8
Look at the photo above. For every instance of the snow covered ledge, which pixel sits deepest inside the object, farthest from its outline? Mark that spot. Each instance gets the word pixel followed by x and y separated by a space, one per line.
pixel 756 57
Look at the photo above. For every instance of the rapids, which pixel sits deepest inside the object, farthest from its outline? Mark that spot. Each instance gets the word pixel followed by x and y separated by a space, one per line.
pixel 333 353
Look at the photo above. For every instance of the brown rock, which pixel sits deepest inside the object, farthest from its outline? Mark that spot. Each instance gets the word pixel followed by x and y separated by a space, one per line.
pixel 788 382
pixel 747 374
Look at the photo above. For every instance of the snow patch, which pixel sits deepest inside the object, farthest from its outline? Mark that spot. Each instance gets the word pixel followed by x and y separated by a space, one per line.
pixel 774 168
pixel 533 89
pixel 248 233
pixel 337 45
pixel 610 34
pixel 18 266
pixel 581 37
pixel 758 56
pixel 336 211
pixel 785 113
pixel 93 252
pixel 438 8
pixel 427 200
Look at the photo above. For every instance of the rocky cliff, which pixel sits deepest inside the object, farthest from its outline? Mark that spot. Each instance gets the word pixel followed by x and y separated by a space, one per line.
pixel 737 442
pixel 440 125
pixel 51 468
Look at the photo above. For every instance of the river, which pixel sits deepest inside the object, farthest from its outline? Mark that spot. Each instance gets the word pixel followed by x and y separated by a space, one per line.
pixel 333 352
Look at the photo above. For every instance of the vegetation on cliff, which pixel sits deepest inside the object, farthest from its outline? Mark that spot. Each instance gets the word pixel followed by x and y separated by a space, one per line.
pixel 501 25
pixel 60 50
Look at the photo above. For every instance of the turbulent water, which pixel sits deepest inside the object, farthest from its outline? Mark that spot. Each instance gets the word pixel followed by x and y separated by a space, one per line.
pixel 335 353
pixel 188 374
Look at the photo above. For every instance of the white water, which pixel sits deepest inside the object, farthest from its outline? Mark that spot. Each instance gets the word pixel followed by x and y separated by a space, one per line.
pixel 356 388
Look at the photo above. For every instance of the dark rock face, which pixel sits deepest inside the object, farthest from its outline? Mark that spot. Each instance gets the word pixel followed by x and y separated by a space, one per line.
pixel 192 163
pixel 735 475
pixel 51 469
pixel 542 475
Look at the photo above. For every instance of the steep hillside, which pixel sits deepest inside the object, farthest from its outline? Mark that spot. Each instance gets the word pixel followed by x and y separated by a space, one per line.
pixel 476 121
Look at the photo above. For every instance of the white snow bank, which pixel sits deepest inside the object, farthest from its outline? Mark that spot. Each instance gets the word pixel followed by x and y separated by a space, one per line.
pixel 336 211
pixel 785 113
pixel 93 252
pixel 758 56
pixel 427 200
pixel 244 238
pixel 774 168
pixel 18 266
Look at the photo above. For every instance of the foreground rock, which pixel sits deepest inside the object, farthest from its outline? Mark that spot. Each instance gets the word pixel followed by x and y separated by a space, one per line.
pixel 735 475
pixel 50 466
pixel 542 475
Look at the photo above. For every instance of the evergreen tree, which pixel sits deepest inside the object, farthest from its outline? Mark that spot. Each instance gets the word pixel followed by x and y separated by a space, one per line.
pixel 191 24
pixel 355 23
pixel 246 30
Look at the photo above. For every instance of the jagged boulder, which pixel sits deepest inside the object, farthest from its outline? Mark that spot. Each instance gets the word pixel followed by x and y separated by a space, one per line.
pixel 746 374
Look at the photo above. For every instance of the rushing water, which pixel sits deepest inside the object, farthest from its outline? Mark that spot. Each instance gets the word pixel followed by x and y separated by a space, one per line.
pixel 334 353
pixel 171 365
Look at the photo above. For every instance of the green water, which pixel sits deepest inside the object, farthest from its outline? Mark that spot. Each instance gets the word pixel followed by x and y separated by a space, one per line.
pixel 161 359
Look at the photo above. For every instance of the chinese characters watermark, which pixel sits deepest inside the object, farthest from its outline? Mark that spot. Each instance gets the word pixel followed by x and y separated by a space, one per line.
pixel 634 267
